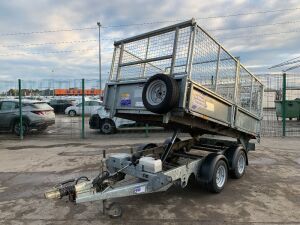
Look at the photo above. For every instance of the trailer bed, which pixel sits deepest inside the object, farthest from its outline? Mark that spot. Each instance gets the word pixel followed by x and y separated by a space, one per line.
pixel 217 95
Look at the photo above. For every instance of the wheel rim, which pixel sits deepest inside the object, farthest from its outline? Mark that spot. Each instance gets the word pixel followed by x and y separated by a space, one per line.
pixel 220 176
pixel 106 128
pixel 114 211
pixel 156 92
pixel 72 113
pixel 241 164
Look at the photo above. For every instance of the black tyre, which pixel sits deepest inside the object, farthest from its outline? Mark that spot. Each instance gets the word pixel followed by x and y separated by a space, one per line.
pixel 108 126
pixel 114 210
pixel 16 128
pixel 95 122
pixel 160 94
pixel 42 129
pixel 219 178
pixel 72 113
pixel 239 166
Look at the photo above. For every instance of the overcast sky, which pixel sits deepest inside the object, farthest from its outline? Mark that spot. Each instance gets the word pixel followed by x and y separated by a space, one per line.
pixel 26 56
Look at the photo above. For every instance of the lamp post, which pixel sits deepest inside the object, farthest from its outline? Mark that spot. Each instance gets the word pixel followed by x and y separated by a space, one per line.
pixel 100 85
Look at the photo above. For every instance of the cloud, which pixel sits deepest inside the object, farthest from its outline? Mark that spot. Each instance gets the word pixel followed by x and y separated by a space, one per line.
pixel 77 60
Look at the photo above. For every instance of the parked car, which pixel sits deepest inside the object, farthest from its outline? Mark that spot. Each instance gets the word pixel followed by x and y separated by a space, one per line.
pixel 35 114
pixel 60 105
pixel 100 120
pixel 89 107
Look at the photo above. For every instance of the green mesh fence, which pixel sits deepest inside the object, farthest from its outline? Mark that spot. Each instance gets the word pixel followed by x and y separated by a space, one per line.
pixel 67 120
pixel 272 123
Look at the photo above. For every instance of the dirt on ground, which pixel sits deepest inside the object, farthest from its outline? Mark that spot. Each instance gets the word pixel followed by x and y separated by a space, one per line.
pixel 269 192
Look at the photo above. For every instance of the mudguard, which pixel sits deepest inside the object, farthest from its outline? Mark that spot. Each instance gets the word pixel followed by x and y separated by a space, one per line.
pixel 231 155
pixel 205 172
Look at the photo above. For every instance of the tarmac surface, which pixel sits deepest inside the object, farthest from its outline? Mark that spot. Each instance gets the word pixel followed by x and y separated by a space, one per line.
pixel 269 192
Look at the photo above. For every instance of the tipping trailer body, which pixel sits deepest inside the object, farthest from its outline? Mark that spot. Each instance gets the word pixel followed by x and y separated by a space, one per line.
pixel 217 94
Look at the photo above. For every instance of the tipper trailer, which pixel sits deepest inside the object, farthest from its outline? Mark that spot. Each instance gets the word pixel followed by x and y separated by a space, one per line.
pixel 177 77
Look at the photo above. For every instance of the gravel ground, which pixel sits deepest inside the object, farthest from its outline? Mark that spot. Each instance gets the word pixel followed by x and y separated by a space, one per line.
pixel 269 192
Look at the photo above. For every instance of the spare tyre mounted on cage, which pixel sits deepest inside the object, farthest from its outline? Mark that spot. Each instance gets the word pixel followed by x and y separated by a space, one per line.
pixel 160 93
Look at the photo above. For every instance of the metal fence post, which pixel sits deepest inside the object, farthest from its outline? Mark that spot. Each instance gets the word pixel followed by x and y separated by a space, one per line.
pixel 20 110
pixel 283 112
pixel 82 110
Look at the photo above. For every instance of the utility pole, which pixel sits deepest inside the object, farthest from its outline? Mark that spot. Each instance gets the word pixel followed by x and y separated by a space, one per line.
pixel 100 84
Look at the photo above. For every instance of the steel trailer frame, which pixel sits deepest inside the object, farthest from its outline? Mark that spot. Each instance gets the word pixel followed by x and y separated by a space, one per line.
pixel 179 165
pixel 153 182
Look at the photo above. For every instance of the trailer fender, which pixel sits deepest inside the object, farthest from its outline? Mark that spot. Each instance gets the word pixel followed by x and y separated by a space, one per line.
pixel 206 169
pixel 231 155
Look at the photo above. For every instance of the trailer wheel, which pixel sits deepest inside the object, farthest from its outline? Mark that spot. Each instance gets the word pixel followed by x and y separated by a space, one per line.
pixel 160 94
pixel 220 175
pixel 239 166
pixel 114 210
pixel 237 160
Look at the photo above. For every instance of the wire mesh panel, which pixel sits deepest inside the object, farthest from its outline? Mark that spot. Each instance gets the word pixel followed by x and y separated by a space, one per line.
pixel 244 89
pixel 182 50
pixel 135 51
pixel 115 63
pixel 161 66
pixel 205 60
pixel 226 76
pixel 161 45
pixel 214 68
pixel 272 124
pixel 145 49
pixel 130 72
pixel 151 55
pixel 256 97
